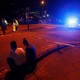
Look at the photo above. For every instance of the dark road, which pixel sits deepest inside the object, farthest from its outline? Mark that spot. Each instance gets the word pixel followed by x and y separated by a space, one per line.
pixel 46 38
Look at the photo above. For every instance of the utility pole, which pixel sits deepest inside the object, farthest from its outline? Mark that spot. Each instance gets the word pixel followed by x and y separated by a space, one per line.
pixel 27 17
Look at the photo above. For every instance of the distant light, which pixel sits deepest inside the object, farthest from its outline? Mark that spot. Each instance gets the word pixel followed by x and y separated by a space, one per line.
pixel 44 16
pixel 72 22
pixel 42 2
pixel 47 15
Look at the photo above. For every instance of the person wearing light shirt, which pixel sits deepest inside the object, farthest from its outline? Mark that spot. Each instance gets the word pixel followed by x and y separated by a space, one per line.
pixel 15 25
pixel 18 56
pixel 16 62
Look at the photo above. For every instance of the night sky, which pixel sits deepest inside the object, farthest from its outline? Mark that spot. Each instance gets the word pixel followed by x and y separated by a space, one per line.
pixel 55 7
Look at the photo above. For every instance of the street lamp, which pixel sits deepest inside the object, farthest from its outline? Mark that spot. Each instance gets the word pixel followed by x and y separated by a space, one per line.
pixel 42 2
pixel 42 5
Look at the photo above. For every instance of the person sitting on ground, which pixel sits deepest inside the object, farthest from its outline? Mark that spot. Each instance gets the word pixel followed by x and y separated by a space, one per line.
pixel 15 61
pixel 17 54
pixel 30 52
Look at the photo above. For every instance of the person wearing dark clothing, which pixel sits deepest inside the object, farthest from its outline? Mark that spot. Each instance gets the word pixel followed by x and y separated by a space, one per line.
pixel 30 51
pixel 3 25
pixel 6 23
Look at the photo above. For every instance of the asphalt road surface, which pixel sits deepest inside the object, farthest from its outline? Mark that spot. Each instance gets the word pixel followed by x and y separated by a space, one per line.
pixel 43 36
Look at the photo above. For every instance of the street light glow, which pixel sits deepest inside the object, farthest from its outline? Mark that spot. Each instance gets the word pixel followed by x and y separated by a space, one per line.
pixel 42 2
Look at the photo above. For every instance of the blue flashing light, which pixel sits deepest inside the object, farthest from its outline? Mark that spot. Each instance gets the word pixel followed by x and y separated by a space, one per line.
pixel 72 22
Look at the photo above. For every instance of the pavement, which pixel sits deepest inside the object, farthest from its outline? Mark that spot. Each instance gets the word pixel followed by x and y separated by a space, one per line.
pixel 55 61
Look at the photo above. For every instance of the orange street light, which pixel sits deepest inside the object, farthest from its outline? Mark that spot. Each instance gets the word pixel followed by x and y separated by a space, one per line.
pixel 42 2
